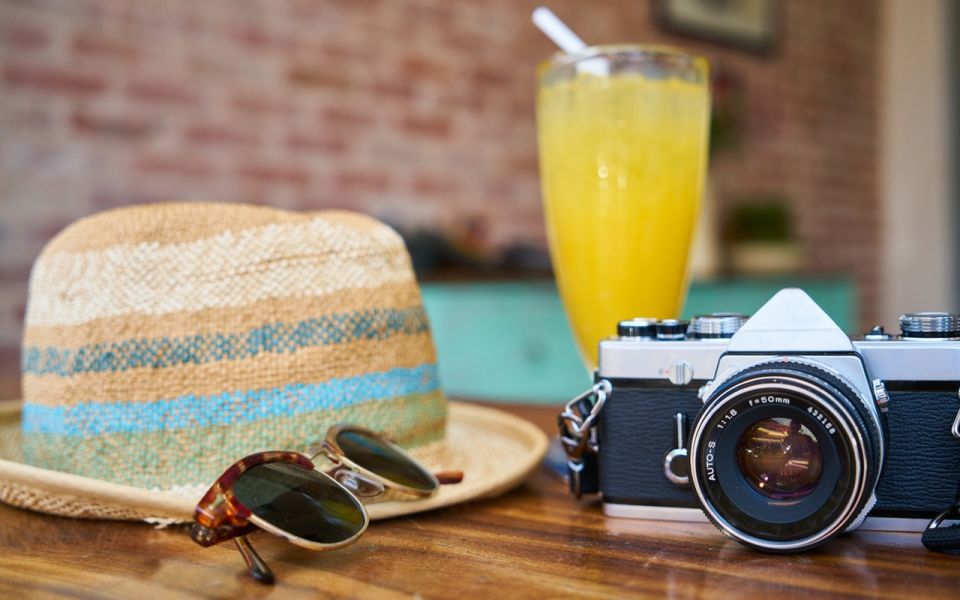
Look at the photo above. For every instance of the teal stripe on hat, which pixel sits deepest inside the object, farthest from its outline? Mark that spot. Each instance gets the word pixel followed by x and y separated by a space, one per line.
pixel 196 457
pixel 89 419
pixel 278 338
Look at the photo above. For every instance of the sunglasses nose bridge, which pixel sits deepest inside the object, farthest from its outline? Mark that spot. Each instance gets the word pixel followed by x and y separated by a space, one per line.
pixel 325 451
pixel 359 484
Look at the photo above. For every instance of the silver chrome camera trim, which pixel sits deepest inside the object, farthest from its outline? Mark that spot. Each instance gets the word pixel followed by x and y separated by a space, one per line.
pixel 695 515
pixel 919 359
pixel 888 360
pixel 790 323
pixel 651 359
pixel 842 421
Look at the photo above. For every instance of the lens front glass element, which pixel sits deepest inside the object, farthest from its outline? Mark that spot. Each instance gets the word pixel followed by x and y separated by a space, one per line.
pixel 780 458
pixel 302 502
pixel 384 459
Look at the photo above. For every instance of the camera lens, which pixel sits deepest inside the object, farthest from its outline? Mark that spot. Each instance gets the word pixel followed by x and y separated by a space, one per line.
pixel 785 454
pixel 780 458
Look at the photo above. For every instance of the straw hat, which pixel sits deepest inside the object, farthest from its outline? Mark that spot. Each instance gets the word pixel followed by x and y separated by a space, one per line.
pixel 165 342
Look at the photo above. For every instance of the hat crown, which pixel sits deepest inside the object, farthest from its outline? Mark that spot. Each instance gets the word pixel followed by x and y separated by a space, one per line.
pixel 164 342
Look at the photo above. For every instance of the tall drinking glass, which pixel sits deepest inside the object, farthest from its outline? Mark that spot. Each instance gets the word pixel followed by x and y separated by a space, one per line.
pixel 623 149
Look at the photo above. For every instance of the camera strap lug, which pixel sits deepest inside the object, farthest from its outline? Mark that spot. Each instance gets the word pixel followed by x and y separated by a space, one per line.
pixel 955 428
pixel 676 464
pixel 578 436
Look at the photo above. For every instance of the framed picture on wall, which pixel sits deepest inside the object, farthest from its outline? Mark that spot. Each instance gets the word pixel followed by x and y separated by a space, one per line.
pixel 746 24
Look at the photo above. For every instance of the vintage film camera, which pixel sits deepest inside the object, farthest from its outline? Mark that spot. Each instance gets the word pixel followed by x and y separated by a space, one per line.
pixel 780 428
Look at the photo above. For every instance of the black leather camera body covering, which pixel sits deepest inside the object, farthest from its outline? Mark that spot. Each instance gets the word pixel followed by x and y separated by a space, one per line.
pixel 922 458
pixel 919 476
pixel 636 431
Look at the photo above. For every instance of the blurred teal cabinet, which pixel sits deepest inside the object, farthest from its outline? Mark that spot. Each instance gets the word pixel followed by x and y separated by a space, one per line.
pixel 511 340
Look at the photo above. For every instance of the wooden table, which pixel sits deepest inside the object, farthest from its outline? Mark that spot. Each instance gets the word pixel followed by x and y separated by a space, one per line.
pixel 533 542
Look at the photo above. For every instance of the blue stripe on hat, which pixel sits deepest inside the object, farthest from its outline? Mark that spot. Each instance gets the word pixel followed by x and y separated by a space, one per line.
pixel 191 411
pixel 278 338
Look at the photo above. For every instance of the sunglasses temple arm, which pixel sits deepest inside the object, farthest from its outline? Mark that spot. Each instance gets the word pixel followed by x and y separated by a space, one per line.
pixel 258 569
pixel 449 477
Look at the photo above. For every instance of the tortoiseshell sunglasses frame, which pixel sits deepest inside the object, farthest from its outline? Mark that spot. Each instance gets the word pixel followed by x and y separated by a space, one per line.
pixel 219 516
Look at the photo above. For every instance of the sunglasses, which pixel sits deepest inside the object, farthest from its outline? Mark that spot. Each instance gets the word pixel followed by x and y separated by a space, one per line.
pixel 285 494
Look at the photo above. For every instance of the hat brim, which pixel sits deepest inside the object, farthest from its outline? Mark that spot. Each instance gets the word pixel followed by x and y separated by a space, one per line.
pixel 495 451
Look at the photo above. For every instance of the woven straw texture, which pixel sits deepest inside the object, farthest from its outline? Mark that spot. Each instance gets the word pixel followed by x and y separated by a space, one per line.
pixel 495 451
pixel 164 342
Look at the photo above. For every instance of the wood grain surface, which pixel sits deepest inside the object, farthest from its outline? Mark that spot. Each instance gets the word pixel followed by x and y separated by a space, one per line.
pixel 533 542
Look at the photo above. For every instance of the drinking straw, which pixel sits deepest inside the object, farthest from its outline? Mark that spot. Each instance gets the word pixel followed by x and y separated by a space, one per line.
pixel 564 37
pixel 555 29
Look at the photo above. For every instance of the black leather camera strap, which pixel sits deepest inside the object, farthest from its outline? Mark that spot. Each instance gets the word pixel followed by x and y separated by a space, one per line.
pixel 944 538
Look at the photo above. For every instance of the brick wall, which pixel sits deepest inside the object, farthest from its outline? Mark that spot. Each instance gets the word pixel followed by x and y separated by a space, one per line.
pixel 417 110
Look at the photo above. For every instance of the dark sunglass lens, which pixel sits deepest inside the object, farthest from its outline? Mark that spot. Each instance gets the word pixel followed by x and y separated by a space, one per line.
pixel 382 458
pixel 301 502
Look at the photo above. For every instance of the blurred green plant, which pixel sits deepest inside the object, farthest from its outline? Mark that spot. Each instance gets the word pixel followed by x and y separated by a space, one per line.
pixel 760 218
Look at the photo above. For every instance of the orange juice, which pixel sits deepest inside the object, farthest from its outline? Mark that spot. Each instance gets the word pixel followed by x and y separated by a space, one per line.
pixel 622 162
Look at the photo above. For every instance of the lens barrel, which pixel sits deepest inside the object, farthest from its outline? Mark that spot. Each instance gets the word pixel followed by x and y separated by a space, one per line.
pixel 785 454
